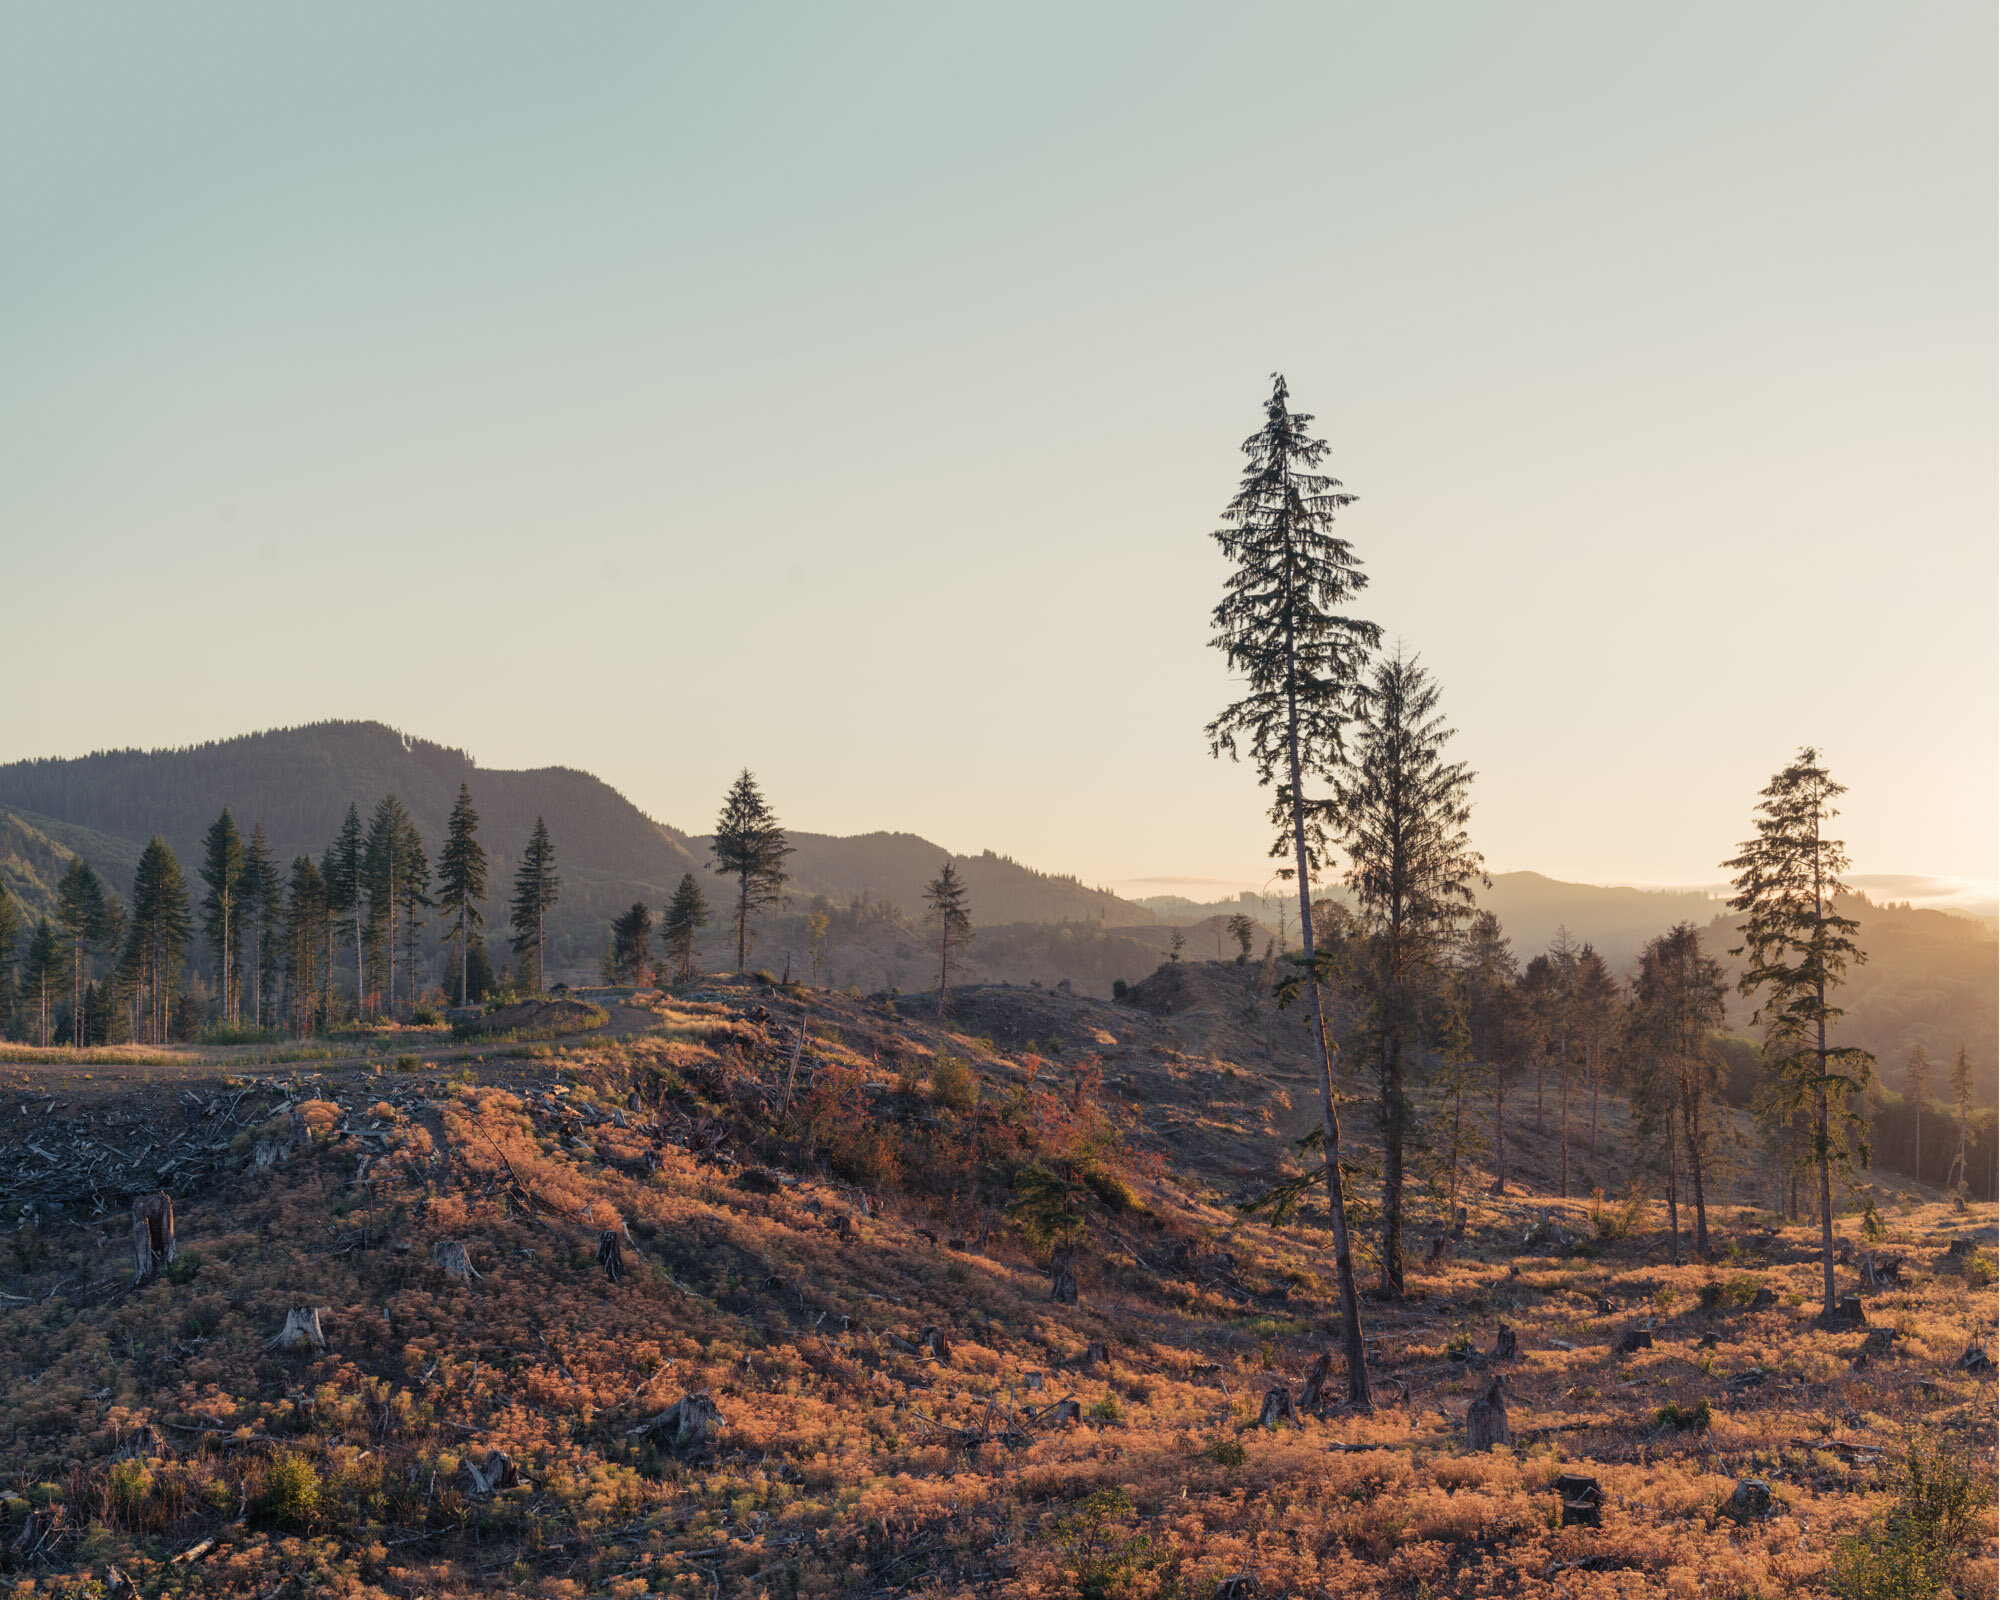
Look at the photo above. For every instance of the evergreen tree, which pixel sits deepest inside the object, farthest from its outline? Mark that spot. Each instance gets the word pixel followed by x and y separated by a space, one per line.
pixel 950 913
pixel 687 915
pixel 1676 1007
pixel 387 861
pixel 305 925
pixel 10 954
pixel 222 871
pixel 41 978
pixel 1597 1012
pixel 162 925
pixel 1487 978
pixel 461 876
pixel 818 920
pixel 478 971
pixel 536 889
pixel 116 1020
pixel 413 894
pixel 1243 931
pixel 80 915
pixel 1283 628
pixel 261 907
pixel 1401 812
pixel 1917 1090
pixel 749 847
pixel 632 944
pixel 1799 948
pixel 346 872
pixel 1961 1095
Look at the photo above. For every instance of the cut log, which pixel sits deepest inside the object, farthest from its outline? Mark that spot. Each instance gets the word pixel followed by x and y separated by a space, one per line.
pixel 302 1330
pixel 1751 1501
pixel 1506 1344
pixel 1582 1501
pixel 1277 1408
pixel 449 1257
pixel 1486 1420
pixel 611 1254
pixel 152 1235
pixel 1313 1396
pixel 1634 1340
pixel 690 1423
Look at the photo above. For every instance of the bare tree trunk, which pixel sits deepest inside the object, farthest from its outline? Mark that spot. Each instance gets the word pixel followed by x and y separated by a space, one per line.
pixel 1499 1128
pixel 1565 1120
pixel 1394 1115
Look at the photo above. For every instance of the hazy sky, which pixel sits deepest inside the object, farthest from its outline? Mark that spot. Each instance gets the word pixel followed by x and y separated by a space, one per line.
pixel 849 392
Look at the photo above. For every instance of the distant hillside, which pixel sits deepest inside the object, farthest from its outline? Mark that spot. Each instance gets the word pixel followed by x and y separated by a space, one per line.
pixel 896 867
pixel 299 782
pixel 1618 921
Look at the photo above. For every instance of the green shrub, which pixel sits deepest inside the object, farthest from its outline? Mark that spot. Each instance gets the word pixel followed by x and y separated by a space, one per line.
pixel 239 1033
pixel 1118 988
pixel 1980 1270
pixel 1225 1453
pixel 290 1497
pixel 1685 1419
pixel 1106 1410
pixel 407 1062
pixel 1917 1548
pixel 953 1085
pixel 1100 1556
pixel 427 1017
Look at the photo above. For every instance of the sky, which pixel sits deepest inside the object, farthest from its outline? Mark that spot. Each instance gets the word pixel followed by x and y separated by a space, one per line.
pixel 849 392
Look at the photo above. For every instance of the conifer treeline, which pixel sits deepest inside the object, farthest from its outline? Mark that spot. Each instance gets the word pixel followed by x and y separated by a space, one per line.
pixel 317 944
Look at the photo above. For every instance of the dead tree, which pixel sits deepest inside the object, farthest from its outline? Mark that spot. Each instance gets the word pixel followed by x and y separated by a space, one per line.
pixel 1506 1344
pixel 302 1331
pixel 1313 1396
pixel 449 1257
pixel 1486 1420
pixel 152 1235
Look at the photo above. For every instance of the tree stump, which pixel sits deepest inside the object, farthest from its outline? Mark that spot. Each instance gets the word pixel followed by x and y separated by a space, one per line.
pixel 1763 1299
pixel 1062 1276
pixel 1960 1250
pixel 1095 1355
pixel 269 1153
pixel 496 1471
pixel 1582 1501
pixel 302 1331
pixel 1975 1359
pixel 611 1254
pixel 152 1235
pixel 1752 1500
pixel 1238 1586
pixel 1277 1408
pixel 1634 1340
pixel 1846 1313
pixel 1439 1244
pixel 689 1423
pixel 1877 1343
pixel 1486 1420
pixel 1067 1409
pixel 933 1341
pixel 1458 1226
pixel 1506 1344
pixel 449 1257
pixel 1032 1382
pixel 1313 1396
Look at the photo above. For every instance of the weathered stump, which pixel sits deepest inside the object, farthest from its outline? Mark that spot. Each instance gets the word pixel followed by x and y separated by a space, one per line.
pixel 1313 1396
pixel 269 1153
pixel 611 1254
pixel 689 1423
pixel 1032 1382
pixel 1975 1359
pixel 1277 1408
pixel 1751 1501
pixel 1506 1344
pixel 1062 1276
pixel 933 1342
pixel 152 1235
pixel 1486 1420
pixel 1634 1340
pixel 302 1331
pixel 1846 1313
pixel 1582 1501
pixel 1095 1355
pixel 1067 1409
pixel 1763 1299
pixel 496 1471
pixel 449 1257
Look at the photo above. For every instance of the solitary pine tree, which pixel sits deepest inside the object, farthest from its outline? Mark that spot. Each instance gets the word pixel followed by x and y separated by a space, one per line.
pixel 80 915
pixel 261 900
pixel 536 889
pixel 749 847
pixel 222 872
pixel 162 925
pixel 687 915
pixel 461 877
pixel 1283 628
pixel 41 978
pixel 1799 948
pixel 346 872
pixel 632 943
pixel 1917 1089
pixel 1961 1097
pixel 1401 811
pixel 951 914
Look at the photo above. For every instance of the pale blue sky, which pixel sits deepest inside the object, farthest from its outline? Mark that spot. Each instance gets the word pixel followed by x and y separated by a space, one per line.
pixel 849 390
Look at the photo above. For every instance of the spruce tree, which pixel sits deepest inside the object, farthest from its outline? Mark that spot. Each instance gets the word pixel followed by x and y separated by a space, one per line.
pixel 950 913
pixel 345 870
pixel 1917 1089
pixel 687 915
pixel 1677 1005
pixel 1487 979
pixel 222 872
pixel 1598 1020
pixel 162 925
pixel 632 943
pixel 749 847
pixel 1283 627
pixel 536 888
pixel 305 921
pixel 80 915
pixel 1799 948
pixel 391 856
pixel 261 904
pixel 461 876
pixel 413 894
pixel 1401 811
pixel 10 954
pixel 41 978
pixel 1961 1096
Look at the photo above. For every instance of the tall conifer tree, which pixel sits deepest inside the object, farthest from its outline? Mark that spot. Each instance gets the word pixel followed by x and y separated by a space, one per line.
pixel 386 863
pixel 1917 1090
pixel 687 915
pixel 222 872
pixel 632 943
pixel 10 954
pixel 41 978
pixel 1400 812
pixel 1676 1008
pixel 1961 1096
pixel 1799 948
pixel 1284 629
pixel 346 873
pixel 80 915
pixel 537 887
pixel 950 912
pixel 261 904
pixel 1488 975
pixel 413 892
pixel 749 847
pixel 461 876
pixel 305 925
pixel 162 925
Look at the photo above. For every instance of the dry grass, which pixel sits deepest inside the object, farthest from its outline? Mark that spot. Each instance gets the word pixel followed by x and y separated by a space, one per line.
pixel 135 1427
